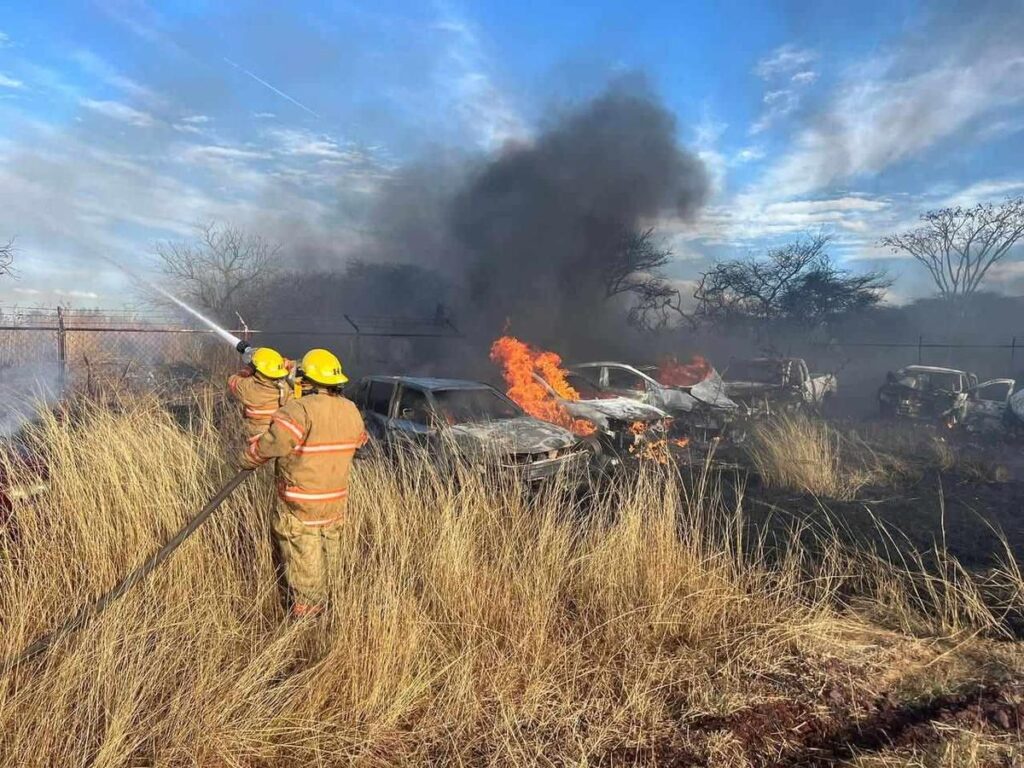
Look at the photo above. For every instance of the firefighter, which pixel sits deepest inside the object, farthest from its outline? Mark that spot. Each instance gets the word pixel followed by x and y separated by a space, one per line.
pixel 261 388
pixel 313 438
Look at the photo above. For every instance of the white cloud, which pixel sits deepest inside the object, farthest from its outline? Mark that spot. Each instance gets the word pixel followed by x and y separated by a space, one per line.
pixel 881 116
pixel 192 124
pixel 115 110
pixel 482 106
pixel 749 155
pixel 786 70
pixel 93 65
pixel 784 60
pixel 205 154
pixel 987 191
pixel 10 82
pixel 5 40
pixel 707 133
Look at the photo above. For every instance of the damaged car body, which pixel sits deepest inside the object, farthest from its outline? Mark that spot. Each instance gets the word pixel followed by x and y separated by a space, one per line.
pixel 703 409
pixel 765 385
pixel 467 418
pixel 949 397
pixel 623 425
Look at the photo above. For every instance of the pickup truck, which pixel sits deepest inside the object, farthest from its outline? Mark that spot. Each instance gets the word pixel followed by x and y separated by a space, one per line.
pixel 947 396
pixel 768 384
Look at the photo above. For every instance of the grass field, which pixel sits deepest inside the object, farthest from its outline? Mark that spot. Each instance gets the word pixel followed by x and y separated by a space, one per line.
pixel 473 625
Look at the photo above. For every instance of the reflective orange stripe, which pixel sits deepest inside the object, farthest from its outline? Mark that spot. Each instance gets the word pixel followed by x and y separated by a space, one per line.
pixel 290 425
pixel 327 447
pixel 300 494
pixel 256 413
pixel 254 452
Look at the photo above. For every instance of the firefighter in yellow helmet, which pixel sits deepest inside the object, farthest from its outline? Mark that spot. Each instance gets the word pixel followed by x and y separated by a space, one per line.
pixel 313 438
pixel 261 388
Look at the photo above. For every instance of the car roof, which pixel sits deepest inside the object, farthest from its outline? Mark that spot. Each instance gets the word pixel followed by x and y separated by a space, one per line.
pixel 605 362
pixel 929 369
pixel 431 383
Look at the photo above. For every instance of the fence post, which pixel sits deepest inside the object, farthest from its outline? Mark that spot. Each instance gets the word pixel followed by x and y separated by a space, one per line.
pixel 920 341
pixel 62 352
pixel 1013 349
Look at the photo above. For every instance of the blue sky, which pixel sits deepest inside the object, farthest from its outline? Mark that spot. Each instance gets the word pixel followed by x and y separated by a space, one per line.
pixel 124 123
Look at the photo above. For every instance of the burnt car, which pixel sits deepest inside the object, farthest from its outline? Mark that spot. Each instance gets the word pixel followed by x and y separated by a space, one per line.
pixel 947 396
pixel 467 418
pixel 622 425
pixel 702 409
pixel 767 384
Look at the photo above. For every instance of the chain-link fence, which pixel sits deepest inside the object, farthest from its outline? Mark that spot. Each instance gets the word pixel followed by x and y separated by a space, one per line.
pixel 97 349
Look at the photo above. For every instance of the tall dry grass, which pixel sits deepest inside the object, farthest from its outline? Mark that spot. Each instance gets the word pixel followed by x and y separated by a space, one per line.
pixel 810 456
pixel 471 623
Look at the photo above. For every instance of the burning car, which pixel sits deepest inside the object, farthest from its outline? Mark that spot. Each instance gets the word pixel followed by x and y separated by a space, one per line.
pixel 767 384
pixel 623 426
pixel 948 396
pixel 701 408
pixel 469 418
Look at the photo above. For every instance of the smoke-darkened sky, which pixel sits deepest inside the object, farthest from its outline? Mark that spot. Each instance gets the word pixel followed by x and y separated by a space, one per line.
pixel 122 123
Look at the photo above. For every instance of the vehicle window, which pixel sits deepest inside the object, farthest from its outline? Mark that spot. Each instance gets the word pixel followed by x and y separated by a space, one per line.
pixel 468 406
pixel 379 396
pixel 413 406
pixel 591 375
pixel 620 379
pixel 756 371
pixel 357 393
pixel 584 387
pixel 997 391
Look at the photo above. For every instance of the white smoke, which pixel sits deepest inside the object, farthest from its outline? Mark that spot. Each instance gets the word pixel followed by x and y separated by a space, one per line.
pixel 25 389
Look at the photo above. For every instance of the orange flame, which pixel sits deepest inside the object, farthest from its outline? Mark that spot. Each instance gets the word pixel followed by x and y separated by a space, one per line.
pixel 672 373
pixel 519 361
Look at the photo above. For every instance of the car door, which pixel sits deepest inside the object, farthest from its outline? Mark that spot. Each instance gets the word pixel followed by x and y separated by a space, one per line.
pixel 377 407
pixel 412 423
pixel 987 403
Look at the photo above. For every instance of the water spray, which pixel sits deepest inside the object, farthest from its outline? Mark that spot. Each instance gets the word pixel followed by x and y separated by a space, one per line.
pixel 239 344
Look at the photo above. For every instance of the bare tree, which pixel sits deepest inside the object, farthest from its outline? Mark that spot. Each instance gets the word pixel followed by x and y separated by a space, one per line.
pixel 7 258
pixel 224 270
pixel 958 246
pixel 796 282
pixel 635 270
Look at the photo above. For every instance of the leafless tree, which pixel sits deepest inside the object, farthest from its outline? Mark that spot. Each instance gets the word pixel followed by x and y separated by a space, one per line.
pixel 224 270
pixel 7 258
pixel 795 282
pixel 635 270
pixel 958 246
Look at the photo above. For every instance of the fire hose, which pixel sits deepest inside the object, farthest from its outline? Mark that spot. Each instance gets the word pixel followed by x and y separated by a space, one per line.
pixel 95 608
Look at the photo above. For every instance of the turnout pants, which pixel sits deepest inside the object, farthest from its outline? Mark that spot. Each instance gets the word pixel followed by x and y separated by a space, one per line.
pixel 309 556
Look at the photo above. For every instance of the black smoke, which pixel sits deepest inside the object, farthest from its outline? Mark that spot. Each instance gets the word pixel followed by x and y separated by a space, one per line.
pixel 520 240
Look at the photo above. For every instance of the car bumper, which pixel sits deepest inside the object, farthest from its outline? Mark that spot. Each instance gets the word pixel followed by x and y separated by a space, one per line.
pixel 545 469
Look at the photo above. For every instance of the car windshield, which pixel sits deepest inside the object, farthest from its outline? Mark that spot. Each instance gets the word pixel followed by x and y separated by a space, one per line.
pixel 468 406
pixel 585 388
pixel 757 371
pixel 927 380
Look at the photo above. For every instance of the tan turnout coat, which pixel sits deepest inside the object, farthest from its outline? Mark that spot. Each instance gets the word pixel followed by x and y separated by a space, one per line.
pixel 313 439
pixel 260 398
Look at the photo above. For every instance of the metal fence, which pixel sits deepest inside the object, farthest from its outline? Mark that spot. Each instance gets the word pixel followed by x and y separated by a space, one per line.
pixel 91 347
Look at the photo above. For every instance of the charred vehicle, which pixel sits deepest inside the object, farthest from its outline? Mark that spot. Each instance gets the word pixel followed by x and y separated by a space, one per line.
pixel 702 409
pixel 764 385
pixel 622 425
pixel 948 396
pixel 468 418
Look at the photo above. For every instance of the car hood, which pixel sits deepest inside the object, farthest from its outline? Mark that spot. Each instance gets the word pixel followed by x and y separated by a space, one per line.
pixel 712 392
pixel 613 408
pixel 521 435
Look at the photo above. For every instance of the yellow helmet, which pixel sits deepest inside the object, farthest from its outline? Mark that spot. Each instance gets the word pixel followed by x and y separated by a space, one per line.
pixel 322 367
pixel 269 362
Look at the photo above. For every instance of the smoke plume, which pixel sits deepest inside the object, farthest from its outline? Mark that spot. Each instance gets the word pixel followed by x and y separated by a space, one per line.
pixel 527 236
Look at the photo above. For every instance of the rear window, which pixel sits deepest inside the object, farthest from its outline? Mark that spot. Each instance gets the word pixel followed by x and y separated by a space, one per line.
pixel 379 396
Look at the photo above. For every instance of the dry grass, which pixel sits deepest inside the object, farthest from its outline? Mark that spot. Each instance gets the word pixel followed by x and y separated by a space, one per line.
pixel 470 624
pixel 808 455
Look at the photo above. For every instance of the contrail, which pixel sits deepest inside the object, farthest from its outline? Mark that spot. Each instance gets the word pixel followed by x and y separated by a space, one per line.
pixel 264 83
